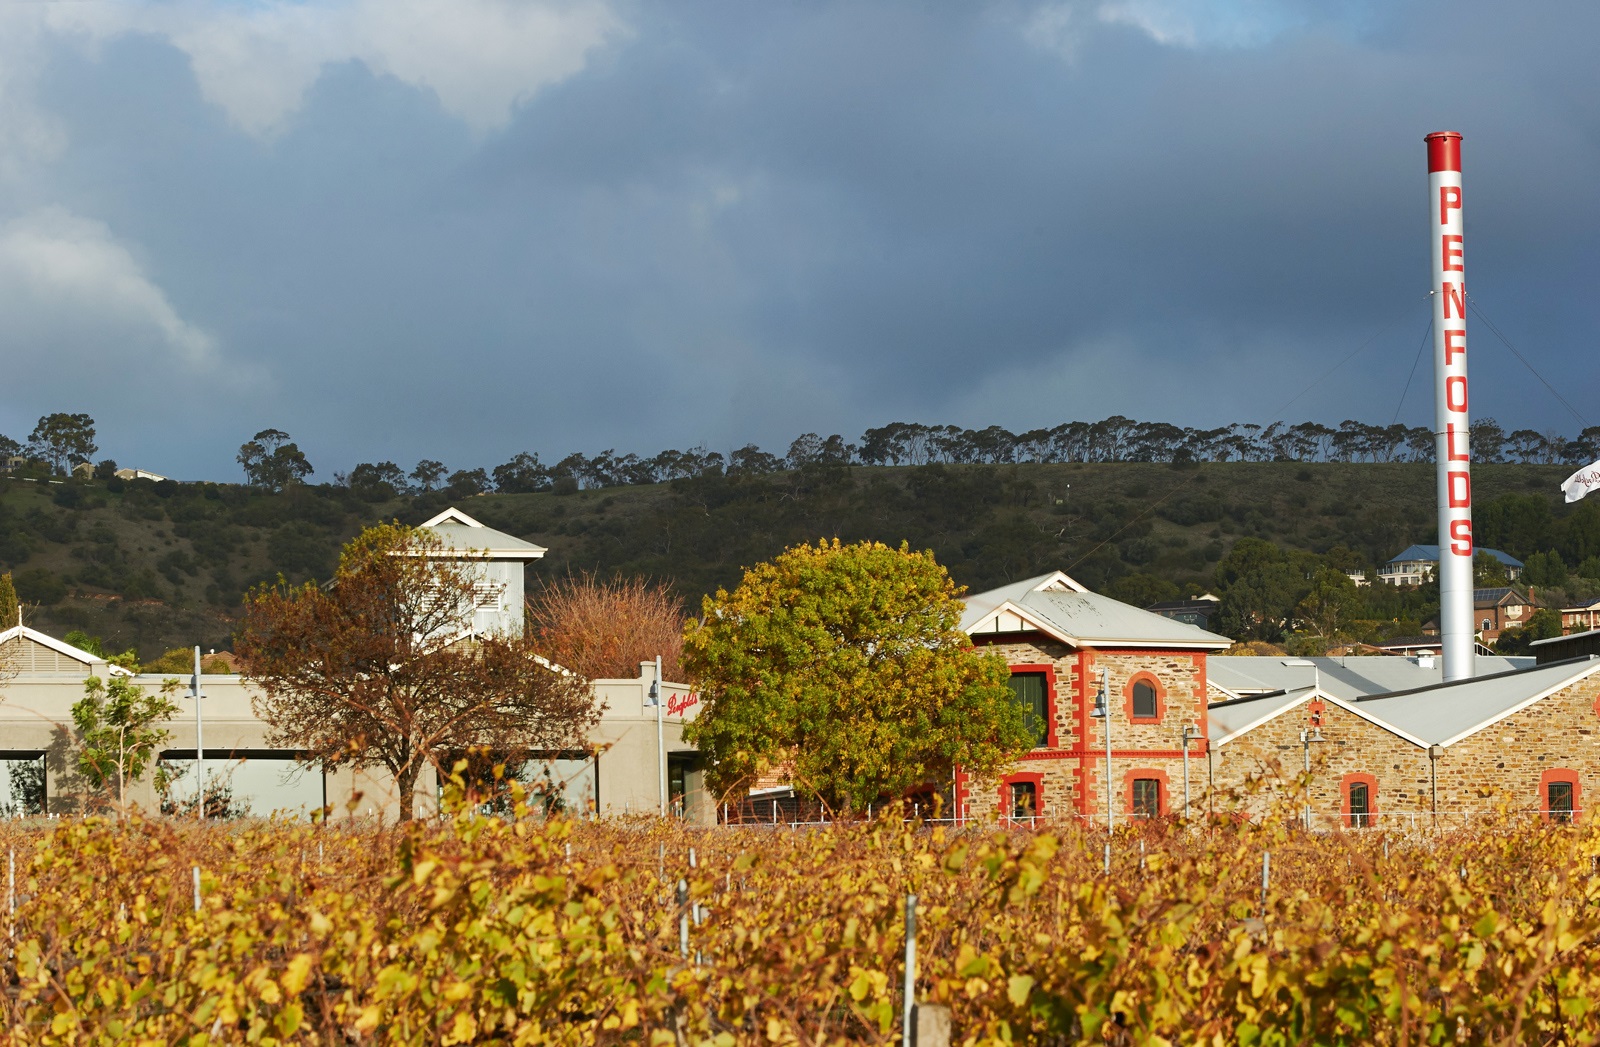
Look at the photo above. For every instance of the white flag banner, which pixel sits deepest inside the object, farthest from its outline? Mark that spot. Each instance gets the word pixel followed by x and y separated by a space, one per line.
pixel 1582 482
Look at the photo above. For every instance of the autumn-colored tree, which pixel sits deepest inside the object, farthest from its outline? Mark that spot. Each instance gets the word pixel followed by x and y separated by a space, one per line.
pixel 604 629
pixel 847 660
pixel 378 668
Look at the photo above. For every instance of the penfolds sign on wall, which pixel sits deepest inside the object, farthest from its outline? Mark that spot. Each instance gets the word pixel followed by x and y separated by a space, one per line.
pixel 678 704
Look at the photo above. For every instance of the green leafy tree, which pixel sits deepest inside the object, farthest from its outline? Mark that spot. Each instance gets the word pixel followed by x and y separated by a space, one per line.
pixel 119 730
pixel 1331 604
pixel 1261 587
pixel 63 440
pixel 10 608
pixel 1487 570
pixel 846 663
pixel 1543 624
pixel 271 460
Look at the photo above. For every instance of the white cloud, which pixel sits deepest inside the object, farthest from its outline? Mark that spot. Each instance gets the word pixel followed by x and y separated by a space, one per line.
pixel 68 275
pixel 1187 23
pixel 480 57
pixel 1062 26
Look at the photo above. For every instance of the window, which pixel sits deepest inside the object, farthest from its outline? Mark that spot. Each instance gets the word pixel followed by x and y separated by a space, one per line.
pixel 1146 797
pixel 1024 799
pixel 1144 700
pixel 1487 625
pixel 1032 695
pixel 1360 805
pixel 1558 801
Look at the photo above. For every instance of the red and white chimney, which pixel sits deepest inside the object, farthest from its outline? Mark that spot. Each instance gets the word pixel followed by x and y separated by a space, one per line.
pixel 1452 426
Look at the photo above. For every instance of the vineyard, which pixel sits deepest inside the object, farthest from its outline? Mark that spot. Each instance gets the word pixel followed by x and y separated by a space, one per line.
pixel 489 930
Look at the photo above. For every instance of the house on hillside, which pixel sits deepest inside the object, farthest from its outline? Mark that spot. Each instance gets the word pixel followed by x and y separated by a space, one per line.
pixel 1494 610
pixel 1198 611
pixel 1580 619
pixel 1418 563
pixel 1066 646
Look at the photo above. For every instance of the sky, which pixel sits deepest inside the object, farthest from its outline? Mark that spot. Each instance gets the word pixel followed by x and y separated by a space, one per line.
pixel 463 229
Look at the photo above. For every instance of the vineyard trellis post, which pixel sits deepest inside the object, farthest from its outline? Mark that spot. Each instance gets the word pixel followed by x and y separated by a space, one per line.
pixel 909 1005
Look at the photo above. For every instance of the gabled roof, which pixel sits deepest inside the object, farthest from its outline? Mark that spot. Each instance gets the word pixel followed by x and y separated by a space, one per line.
pixel 61 647
pixel 466 537
pixel 1060 607
pixel 1446 713
pixel 1226 721
pixel 1430 554
pixel 1347 678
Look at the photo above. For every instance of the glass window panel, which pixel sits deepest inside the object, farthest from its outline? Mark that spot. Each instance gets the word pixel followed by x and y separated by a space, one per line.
pixel 1024 799
pixel 242 786
pixel 21 784
pixel 1031 694
pixel 1360 805
pixel 1146 797
pixel 1560 801
pixel 1144 700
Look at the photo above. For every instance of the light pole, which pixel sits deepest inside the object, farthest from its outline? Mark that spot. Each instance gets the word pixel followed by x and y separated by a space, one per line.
pixel 1102 711
pixel 1306 738
pixel 1189 731
pixel 199 740
pixel 661 741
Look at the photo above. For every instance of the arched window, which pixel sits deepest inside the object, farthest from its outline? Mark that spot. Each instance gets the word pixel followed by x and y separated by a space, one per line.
pixel 1144 698
pixel 1359 793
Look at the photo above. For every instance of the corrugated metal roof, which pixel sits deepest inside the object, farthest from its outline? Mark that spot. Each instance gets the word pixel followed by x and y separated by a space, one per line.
pixel 1447 712
pixel 459 532
pixel 1078 616
pixel 1224 720
pixel 1349 678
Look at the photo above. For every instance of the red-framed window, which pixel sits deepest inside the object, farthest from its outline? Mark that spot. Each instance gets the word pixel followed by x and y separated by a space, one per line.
pixel 1560 796
pixel 1146 793
pixel 1034 686
pixel 1358 795
pixel 1022 796
pixel 1144 699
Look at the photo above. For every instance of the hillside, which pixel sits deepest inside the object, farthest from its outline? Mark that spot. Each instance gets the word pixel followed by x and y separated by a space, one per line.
pixel 161 565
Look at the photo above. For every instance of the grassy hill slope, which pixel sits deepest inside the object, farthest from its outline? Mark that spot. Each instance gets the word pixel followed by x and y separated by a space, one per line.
pixel 161 565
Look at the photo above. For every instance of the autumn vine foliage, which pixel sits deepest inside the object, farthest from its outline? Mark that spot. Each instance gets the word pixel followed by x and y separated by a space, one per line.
pixel 482 930
pixel 488 930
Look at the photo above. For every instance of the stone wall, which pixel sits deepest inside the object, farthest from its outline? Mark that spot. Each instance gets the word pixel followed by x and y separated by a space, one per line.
pixel 1069 773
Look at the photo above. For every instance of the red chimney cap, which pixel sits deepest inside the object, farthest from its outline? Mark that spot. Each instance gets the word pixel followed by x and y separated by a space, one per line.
pixel 1444 151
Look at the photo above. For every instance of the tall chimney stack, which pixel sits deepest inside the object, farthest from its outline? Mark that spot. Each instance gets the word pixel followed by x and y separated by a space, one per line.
pixel 1452 427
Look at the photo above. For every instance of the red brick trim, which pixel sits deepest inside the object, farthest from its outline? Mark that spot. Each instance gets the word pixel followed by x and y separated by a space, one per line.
pixel 1164 796
pixel 1005 793
pixel 1560 774
pixel 1372 798
pixel 1144 676
pixel 1052 738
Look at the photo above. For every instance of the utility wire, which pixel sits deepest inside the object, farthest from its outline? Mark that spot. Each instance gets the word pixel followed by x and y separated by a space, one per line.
pixel 1426 331
pixel 1473 304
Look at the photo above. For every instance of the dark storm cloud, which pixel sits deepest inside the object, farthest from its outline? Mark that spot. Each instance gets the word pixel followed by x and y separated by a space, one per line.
pixel 738 222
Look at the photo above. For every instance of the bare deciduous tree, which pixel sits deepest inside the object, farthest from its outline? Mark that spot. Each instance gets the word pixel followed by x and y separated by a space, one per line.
pixel 378 669
pixel 603 629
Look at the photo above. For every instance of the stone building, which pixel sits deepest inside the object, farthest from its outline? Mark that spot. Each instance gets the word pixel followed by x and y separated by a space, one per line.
pixel 1438 754
pixel 1065 645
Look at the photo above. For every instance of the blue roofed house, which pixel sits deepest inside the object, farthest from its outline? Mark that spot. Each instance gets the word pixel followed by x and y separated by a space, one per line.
pixel 1417 563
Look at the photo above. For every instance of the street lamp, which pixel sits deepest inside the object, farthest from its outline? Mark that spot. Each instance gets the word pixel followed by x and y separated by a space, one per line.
pixel 661 742
pixel 1102 711
pixel 1306 740
pixel 1189 731
pixel 199 741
